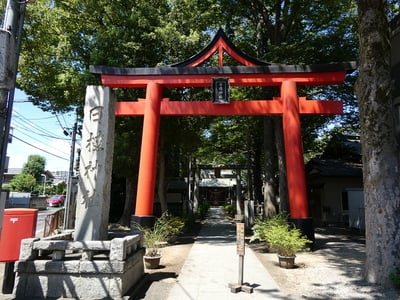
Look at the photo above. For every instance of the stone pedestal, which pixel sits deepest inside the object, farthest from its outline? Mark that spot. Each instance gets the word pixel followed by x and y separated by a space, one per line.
pixel 80 270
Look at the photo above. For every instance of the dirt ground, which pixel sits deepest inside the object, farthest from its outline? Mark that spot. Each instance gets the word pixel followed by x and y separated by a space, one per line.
pixel 333 270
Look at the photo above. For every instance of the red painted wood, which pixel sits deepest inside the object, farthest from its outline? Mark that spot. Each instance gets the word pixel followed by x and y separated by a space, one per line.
pixel 298 203
pixel 288 105
pixel 148 154
pixel 325 107
pixel 205 80
pixel 235 108
pixel 220 45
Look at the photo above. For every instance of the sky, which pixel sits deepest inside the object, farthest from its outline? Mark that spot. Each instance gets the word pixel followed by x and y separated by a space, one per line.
pixel 40 133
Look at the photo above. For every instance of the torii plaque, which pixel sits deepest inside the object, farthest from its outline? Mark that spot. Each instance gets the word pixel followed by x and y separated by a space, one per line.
pixel 252 73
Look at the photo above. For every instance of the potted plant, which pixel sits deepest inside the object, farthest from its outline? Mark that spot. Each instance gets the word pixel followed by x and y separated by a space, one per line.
pixel 281 237
pixel 157 236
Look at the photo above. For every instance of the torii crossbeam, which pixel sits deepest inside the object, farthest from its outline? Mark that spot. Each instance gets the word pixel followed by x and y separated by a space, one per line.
pixel 254 73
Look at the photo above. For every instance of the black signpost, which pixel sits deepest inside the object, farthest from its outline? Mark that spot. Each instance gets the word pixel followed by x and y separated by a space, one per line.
pixel 240 286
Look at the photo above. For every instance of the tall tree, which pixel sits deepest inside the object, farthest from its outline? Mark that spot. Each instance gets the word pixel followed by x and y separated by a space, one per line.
pixel 34 166
pixel 380 151
pixel 295 32
pixel 31 174
pixel 23 183
pixel 63 38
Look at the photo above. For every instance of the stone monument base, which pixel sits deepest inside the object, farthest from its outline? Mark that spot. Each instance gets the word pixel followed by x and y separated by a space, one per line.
pixel 80 270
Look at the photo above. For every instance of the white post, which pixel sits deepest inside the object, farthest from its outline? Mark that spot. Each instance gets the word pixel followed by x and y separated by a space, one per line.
pixel 44 183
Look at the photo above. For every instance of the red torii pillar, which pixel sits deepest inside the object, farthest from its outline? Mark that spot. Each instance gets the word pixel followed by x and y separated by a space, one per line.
pixel 148 153
pixel 290 110
pixel 294 151
pixel 295 171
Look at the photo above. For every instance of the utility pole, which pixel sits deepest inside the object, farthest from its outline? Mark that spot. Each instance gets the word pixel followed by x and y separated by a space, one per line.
pixel 69 205
pixel 10 45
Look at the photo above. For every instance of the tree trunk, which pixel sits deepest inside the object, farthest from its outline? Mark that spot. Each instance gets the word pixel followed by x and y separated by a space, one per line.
pixel 270 168
pixel 280 153
pixel 257 178
pixel 161 189
pixel 125 218
pixel 379 149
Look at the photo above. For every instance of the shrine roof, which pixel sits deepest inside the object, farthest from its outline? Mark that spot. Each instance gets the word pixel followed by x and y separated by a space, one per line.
pixel 225 70
pixel 221 44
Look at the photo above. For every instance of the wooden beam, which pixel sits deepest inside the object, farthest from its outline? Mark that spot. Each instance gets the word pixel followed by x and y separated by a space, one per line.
pixel 235 108
pixel 205 80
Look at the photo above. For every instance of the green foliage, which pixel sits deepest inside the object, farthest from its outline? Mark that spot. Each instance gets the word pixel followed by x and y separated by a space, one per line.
pixel 395 277
pixel 30 179
pixel 163 229
pixel 261 226
pixel 229 141
pixel 286 240
pixel 281 236
pixel 34 166
pixel 62 38
pixel 172 225
pixel 230 210
pixel 60 188
pixel 202 210
pixel 23 183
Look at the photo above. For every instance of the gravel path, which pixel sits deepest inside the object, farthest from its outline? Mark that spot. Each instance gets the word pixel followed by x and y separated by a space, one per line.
pixel 334 270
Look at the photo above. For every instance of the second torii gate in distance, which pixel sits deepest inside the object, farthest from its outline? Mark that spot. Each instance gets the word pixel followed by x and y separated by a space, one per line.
pixel 252 72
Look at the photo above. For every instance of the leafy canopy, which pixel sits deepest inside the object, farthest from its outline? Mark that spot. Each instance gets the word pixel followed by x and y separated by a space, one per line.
pixel 34 166
pixel 23 183
pixel 30 178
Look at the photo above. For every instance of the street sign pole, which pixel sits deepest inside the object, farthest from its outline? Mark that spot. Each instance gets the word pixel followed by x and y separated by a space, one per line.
pixel 240 243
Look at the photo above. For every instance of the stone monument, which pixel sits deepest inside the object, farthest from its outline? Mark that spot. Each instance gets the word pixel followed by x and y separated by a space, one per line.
pixel 89 262
pixel 95 166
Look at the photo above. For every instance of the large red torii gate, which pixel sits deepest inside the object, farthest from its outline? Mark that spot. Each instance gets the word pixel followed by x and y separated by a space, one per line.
pixel 253 73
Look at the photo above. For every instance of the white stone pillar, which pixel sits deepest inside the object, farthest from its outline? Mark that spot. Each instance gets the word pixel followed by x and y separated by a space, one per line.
pixel 95 165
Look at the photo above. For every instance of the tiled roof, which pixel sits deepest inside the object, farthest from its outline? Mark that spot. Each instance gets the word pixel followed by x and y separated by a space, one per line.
pixel 333 168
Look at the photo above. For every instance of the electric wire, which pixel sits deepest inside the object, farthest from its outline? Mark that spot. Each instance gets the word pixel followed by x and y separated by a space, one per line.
pixel 31 124
pixel 41 129
pixel 30 128
pixel 21 140
pixel 40 141
pixel 58 120
pixel 41 133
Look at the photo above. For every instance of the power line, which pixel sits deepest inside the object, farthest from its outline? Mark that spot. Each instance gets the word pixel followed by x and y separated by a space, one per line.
pixel 38 140
pixel 42 134
pixel 39 148
pixel 24 119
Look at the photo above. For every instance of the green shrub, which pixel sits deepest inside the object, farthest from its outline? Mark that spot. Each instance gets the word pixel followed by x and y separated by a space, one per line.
pixel 395 278
pixel 202 210
pixel 163 229
pixel 261 226
pixel 230 210
pixel 286 240
pixel 172 225
pixel 259 230
pixel 281 236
